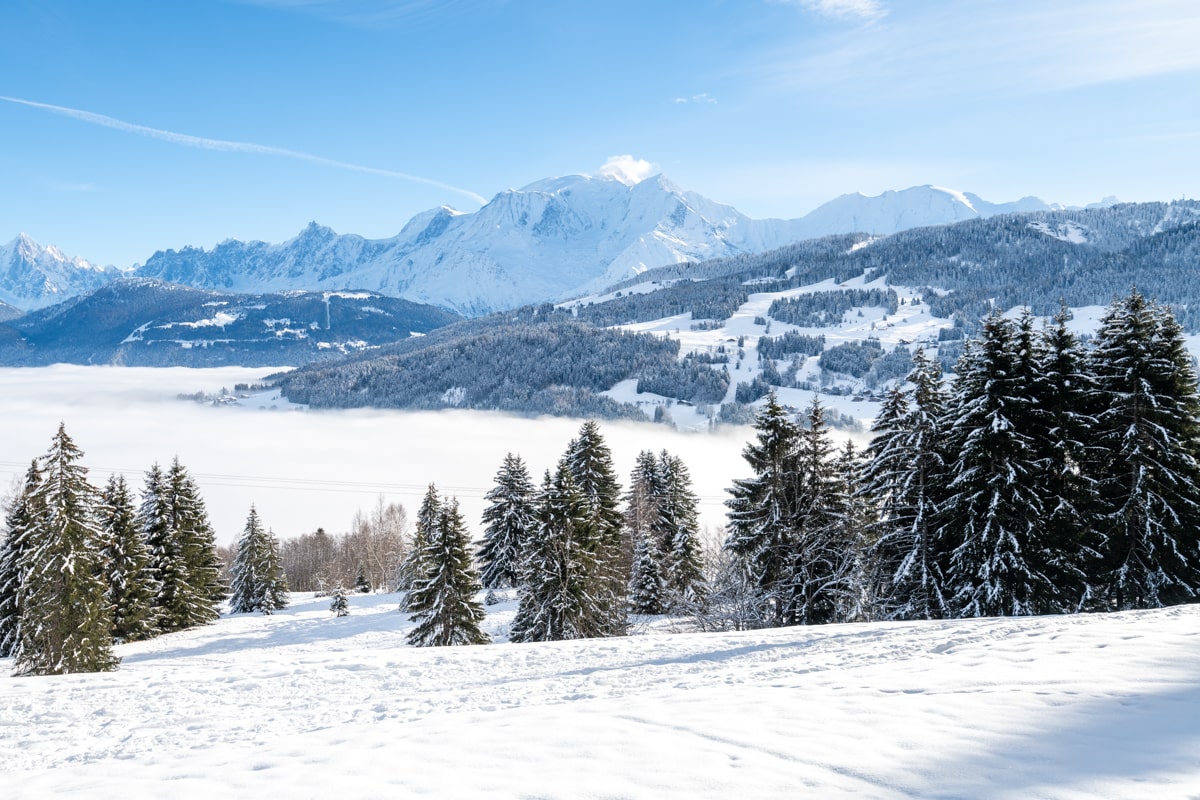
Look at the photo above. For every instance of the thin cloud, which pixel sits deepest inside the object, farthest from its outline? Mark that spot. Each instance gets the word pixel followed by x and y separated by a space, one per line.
pixel 1010 47
pixel 223 145
pixel 842 9
pixel 703 98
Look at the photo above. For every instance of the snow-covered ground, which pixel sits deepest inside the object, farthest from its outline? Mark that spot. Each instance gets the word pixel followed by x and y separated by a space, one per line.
pixel 303 704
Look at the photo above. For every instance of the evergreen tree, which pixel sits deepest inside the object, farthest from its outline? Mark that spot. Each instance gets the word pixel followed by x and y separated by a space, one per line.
pixel 762 510
pixel 1148 426
pixel 1061 429
pixel 165 566
pixel 257 581
pixel 642 501
pixel 443 603
pixel 183 559
pixel 125 562
pixel 198 545
pixel 361 584
pixel 904 476
pixel 508 521
pixel 412 568
pixel 65 623
pixel 589 461
pixel 857 516
pixel 19 534
pixel 338 604
pixel 821 564
pixel 678 529
pixel 993 512
pixel 556 600
pixel 646 586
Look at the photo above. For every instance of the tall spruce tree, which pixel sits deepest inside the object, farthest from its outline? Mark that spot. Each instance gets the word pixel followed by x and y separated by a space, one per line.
pixel 993 511
pixel 857 517
pixel 909 556
pixel 589 461
pixel 556 598
pixel 125 562
pixel 412 568
pixel 763 508
pixel 198 541
pixel 1061 429
pixel 1148 426
pixel 65 622
pixel 508 522
pixel 678 530
pixel 822 562
pixel 647 589
pixel 183 559
pixel 258 583
pixel 18 534
pixel 444 603
pixel 883 484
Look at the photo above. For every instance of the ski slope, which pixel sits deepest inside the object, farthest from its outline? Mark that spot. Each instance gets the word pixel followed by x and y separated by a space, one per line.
pixel 303 704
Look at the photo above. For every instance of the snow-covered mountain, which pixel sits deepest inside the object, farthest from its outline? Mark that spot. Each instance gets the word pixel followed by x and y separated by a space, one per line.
pixel 553 239
pixel 544 242
pixel 35 276
pixel 916 207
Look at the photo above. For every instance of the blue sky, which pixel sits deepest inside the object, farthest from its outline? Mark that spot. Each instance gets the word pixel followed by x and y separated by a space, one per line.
pixel 136 125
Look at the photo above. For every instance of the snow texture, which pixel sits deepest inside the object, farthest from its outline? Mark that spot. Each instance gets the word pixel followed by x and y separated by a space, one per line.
pixel 305 704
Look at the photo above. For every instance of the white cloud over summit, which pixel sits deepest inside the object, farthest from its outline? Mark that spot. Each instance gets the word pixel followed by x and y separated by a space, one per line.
pixel 627 169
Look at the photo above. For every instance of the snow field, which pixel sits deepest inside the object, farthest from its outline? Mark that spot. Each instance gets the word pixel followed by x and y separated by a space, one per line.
pixel 302 704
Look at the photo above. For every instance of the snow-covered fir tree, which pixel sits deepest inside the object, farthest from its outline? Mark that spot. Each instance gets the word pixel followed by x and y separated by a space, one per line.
pixel 903 478
pixel 183 559
pixel 763 508
pixel 993 510
pixel 556 598
pixel 444 602
pixel 361 584
pixel 258 583
pixel 18 525
pixel 65 622
pixel 678 529
pixel 857 514
pixel 508 522
pixel 1148 426
pixel 642 501
pixel 199 545
pixel 125 561
pixel 589 461
pixel 821 584
pixel 412 568
pixel 338 604
pixel 1061 428
pixel 646 586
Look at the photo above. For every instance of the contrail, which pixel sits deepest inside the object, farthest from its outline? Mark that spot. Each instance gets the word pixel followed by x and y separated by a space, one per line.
pixel 233 147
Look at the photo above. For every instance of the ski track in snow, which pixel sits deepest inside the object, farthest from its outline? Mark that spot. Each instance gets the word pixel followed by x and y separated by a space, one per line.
pixel 302 704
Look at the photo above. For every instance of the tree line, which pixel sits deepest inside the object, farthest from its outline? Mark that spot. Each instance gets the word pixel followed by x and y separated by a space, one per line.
pixel 580 553
pixel 82 567
pixel 1048 477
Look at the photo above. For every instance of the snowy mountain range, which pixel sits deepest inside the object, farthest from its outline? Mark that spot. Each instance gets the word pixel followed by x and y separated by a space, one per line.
pixel 553 239
pixel 34 275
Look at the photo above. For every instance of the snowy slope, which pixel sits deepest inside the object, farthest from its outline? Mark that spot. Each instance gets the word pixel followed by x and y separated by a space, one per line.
pixel 303 704
pixel 35 276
